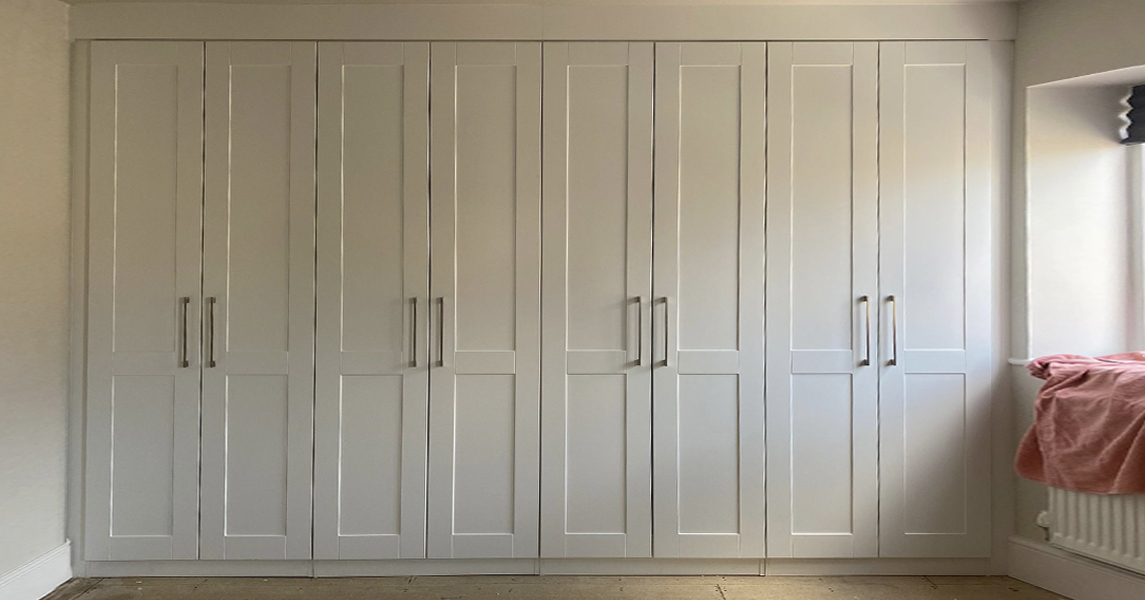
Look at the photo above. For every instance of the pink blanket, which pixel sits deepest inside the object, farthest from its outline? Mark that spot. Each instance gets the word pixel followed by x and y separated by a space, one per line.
pixel 1089 429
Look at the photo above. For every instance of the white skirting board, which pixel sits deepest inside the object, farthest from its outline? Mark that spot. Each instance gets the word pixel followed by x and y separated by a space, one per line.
pixel 556 566
pixel 829 567
pixel 1071 575
pixel 38 577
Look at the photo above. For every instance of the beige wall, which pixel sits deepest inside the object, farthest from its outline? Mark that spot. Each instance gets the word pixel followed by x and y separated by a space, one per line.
pixel 34 264
pixel 1061 39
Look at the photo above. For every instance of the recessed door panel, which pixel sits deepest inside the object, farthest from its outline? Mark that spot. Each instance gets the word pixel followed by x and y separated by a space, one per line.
pixel 373 301
pixel 257 444
pixel 822 421
pixel 709 454
pixel 258 211
pixel 371 186
pixel 142 481
pixel 708 204
pixel 822 275
pixel 484 448
pixel 370 447
pixel 486 166
pixel 707 312
pixel 484 455
pixel 597 298
pixel 935 239
pixel 147 137
pixel 596 451
pixel 935 431
pixel 258 287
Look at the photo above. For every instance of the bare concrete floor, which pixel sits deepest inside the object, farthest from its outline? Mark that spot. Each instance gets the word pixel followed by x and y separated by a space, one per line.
pixel 555 588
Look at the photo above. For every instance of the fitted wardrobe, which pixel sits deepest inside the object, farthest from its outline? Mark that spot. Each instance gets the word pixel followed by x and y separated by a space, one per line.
pixel 539 300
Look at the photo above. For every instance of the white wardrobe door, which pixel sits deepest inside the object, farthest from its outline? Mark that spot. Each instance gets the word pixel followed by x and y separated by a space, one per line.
pixel 935 279
pixel 258 287
pixel 142 499
pixel 708 300
pixel 373 286
pixel 484 450
pixel 822 281
pixel 597 450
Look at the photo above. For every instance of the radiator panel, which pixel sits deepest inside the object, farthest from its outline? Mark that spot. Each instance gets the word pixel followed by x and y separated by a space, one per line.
pixel 1110 529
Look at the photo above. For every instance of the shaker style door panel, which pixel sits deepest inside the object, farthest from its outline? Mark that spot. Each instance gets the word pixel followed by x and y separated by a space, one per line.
pixel 935 240
pixel 373 293
pixel 707 313
pixel 258 288
pixel 597 394
pixel 822 282
pixel 484 449
pixel 142 499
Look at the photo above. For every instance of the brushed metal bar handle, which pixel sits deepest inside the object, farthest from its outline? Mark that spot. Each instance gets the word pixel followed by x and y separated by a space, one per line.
pixel 184 302
pixel 866 362
pixel 211 332
pixel 894 361
pixel 413 334
pixel 441 331
pixel 667 320
pixel 639 330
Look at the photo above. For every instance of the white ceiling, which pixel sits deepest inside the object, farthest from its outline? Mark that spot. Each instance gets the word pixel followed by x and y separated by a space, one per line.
pixel 569 2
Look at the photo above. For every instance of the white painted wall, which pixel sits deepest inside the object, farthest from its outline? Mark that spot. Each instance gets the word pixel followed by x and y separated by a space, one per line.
pixel 1066 263
pixel 1061 39
pixel 1080 284
pixel 34 234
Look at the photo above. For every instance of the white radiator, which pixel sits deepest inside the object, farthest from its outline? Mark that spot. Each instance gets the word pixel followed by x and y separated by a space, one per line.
pixel 1110 529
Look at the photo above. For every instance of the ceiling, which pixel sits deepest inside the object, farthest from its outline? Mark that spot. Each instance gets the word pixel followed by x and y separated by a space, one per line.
pixel 567 2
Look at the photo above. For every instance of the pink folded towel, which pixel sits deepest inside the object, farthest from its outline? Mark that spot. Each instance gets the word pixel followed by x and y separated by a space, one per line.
pixel 1089 428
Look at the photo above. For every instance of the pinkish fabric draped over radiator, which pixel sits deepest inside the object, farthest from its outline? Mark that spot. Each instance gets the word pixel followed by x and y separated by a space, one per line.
pixel 1089 427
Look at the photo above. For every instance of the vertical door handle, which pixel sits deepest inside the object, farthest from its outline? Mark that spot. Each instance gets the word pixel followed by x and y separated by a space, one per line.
pixel 894 361
pixel 211 332
pixel 441 331
pixel 639 330
pixel 183 304
pixel 413 333
pixel 667 320
pixel 866 362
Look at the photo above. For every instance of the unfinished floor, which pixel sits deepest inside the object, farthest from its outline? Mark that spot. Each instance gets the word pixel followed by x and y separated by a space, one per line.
pixel 556 588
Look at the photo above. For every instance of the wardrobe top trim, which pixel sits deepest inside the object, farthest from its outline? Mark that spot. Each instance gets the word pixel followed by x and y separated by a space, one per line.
pixel 399 22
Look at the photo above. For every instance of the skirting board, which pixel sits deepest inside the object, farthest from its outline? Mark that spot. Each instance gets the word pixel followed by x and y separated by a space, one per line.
pixel 820 567
pixel 39 577
pixel 1071 575
pixel 200 568
pixel 650 566
pixel 545 566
